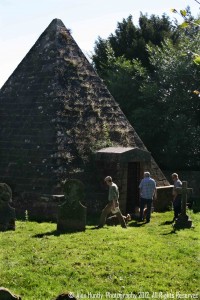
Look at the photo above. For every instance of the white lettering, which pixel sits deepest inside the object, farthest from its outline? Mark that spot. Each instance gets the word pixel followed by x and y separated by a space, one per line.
pixel 186 296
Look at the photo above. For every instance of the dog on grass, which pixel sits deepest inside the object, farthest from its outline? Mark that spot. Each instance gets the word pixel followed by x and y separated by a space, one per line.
pixel 114 221
pixel 136 214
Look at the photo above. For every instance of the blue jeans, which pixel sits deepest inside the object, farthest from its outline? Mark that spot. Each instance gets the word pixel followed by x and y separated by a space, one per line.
pixel 148 203
pixel 177 206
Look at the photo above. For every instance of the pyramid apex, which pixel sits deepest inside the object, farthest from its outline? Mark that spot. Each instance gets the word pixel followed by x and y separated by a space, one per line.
pixel 57 21
pixel 56 24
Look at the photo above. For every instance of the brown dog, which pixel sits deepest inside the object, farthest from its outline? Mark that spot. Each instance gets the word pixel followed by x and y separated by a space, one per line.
pixel 145 213
pixel 113 220
pixel 136 214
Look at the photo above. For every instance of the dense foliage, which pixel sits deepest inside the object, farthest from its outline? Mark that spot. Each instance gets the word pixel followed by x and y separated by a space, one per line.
pixel 130 41
pixel 168 93
pixel 150 71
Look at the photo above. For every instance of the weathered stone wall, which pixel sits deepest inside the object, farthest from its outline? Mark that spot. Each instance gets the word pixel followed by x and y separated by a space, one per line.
pixel 38 208
pixel 163 202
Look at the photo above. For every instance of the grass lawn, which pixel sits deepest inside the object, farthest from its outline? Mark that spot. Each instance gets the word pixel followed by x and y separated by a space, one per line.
pixel 140 262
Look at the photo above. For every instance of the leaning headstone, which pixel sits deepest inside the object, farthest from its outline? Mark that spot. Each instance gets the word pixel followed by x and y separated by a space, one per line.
pixel 65 296
pixel 72 214
pixel 5 294
pixel 183 220
pixel 7 213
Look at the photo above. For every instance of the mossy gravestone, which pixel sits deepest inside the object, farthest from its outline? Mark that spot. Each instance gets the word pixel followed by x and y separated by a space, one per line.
pixel 7 213
pixel 72 214
pixel 183 220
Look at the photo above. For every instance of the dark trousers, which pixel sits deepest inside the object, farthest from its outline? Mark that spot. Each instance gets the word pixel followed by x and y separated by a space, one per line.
pixel 107 210
pixel 148 203
pixel 177 206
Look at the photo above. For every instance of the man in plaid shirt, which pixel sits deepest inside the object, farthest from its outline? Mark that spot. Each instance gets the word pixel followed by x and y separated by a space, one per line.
pixel 147 192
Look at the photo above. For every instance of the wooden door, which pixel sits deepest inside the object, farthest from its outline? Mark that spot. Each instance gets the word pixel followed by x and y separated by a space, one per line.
pixel 133 181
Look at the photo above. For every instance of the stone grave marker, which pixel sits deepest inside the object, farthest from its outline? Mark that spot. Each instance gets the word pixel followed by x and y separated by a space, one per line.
pixel 6 294
pixel 7 213
pixel 71 213
pixel 183 220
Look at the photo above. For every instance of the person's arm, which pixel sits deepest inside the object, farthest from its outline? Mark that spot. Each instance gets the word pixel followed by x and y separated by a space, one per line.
pixel 174 192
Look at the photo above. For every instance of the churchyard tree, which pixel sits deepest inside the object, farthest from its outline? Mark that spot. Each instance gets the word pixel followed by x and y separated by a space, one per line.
pixel 130 40
pixel 170 90
pixel 158 94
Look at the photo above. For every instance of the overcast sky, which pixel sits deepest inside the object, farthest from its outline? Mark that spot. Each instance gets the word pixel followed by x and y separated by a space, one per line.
pixel 23 21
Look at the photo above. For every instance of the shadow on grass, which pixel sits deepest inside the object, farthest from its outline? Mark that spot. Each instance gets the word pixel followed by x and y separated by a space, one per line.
pixel 167 223
pixel 55 233
pixel 41 235
pixel 136 224
pixel 98 228
pixel 173 231
pixel 130 224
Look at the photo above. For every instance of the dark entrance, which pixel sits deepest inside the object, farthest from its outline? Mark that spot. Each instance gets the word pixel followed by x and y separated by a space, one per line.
pixel 126 166
pixel 133 181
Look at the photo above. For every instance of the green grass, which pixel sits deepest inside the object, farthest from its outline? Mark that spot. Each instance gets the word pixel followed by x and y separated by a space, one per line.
pixel 38 263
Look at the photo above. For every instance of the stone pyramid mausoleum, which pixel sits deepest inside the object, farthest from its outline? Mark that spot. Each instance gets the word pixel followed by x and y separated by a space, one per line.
pixel 58 121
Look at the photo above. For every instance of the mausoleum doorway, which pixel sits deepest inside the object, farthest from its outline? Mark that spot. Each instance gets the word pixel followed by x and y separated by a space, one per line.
pixel 126 166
